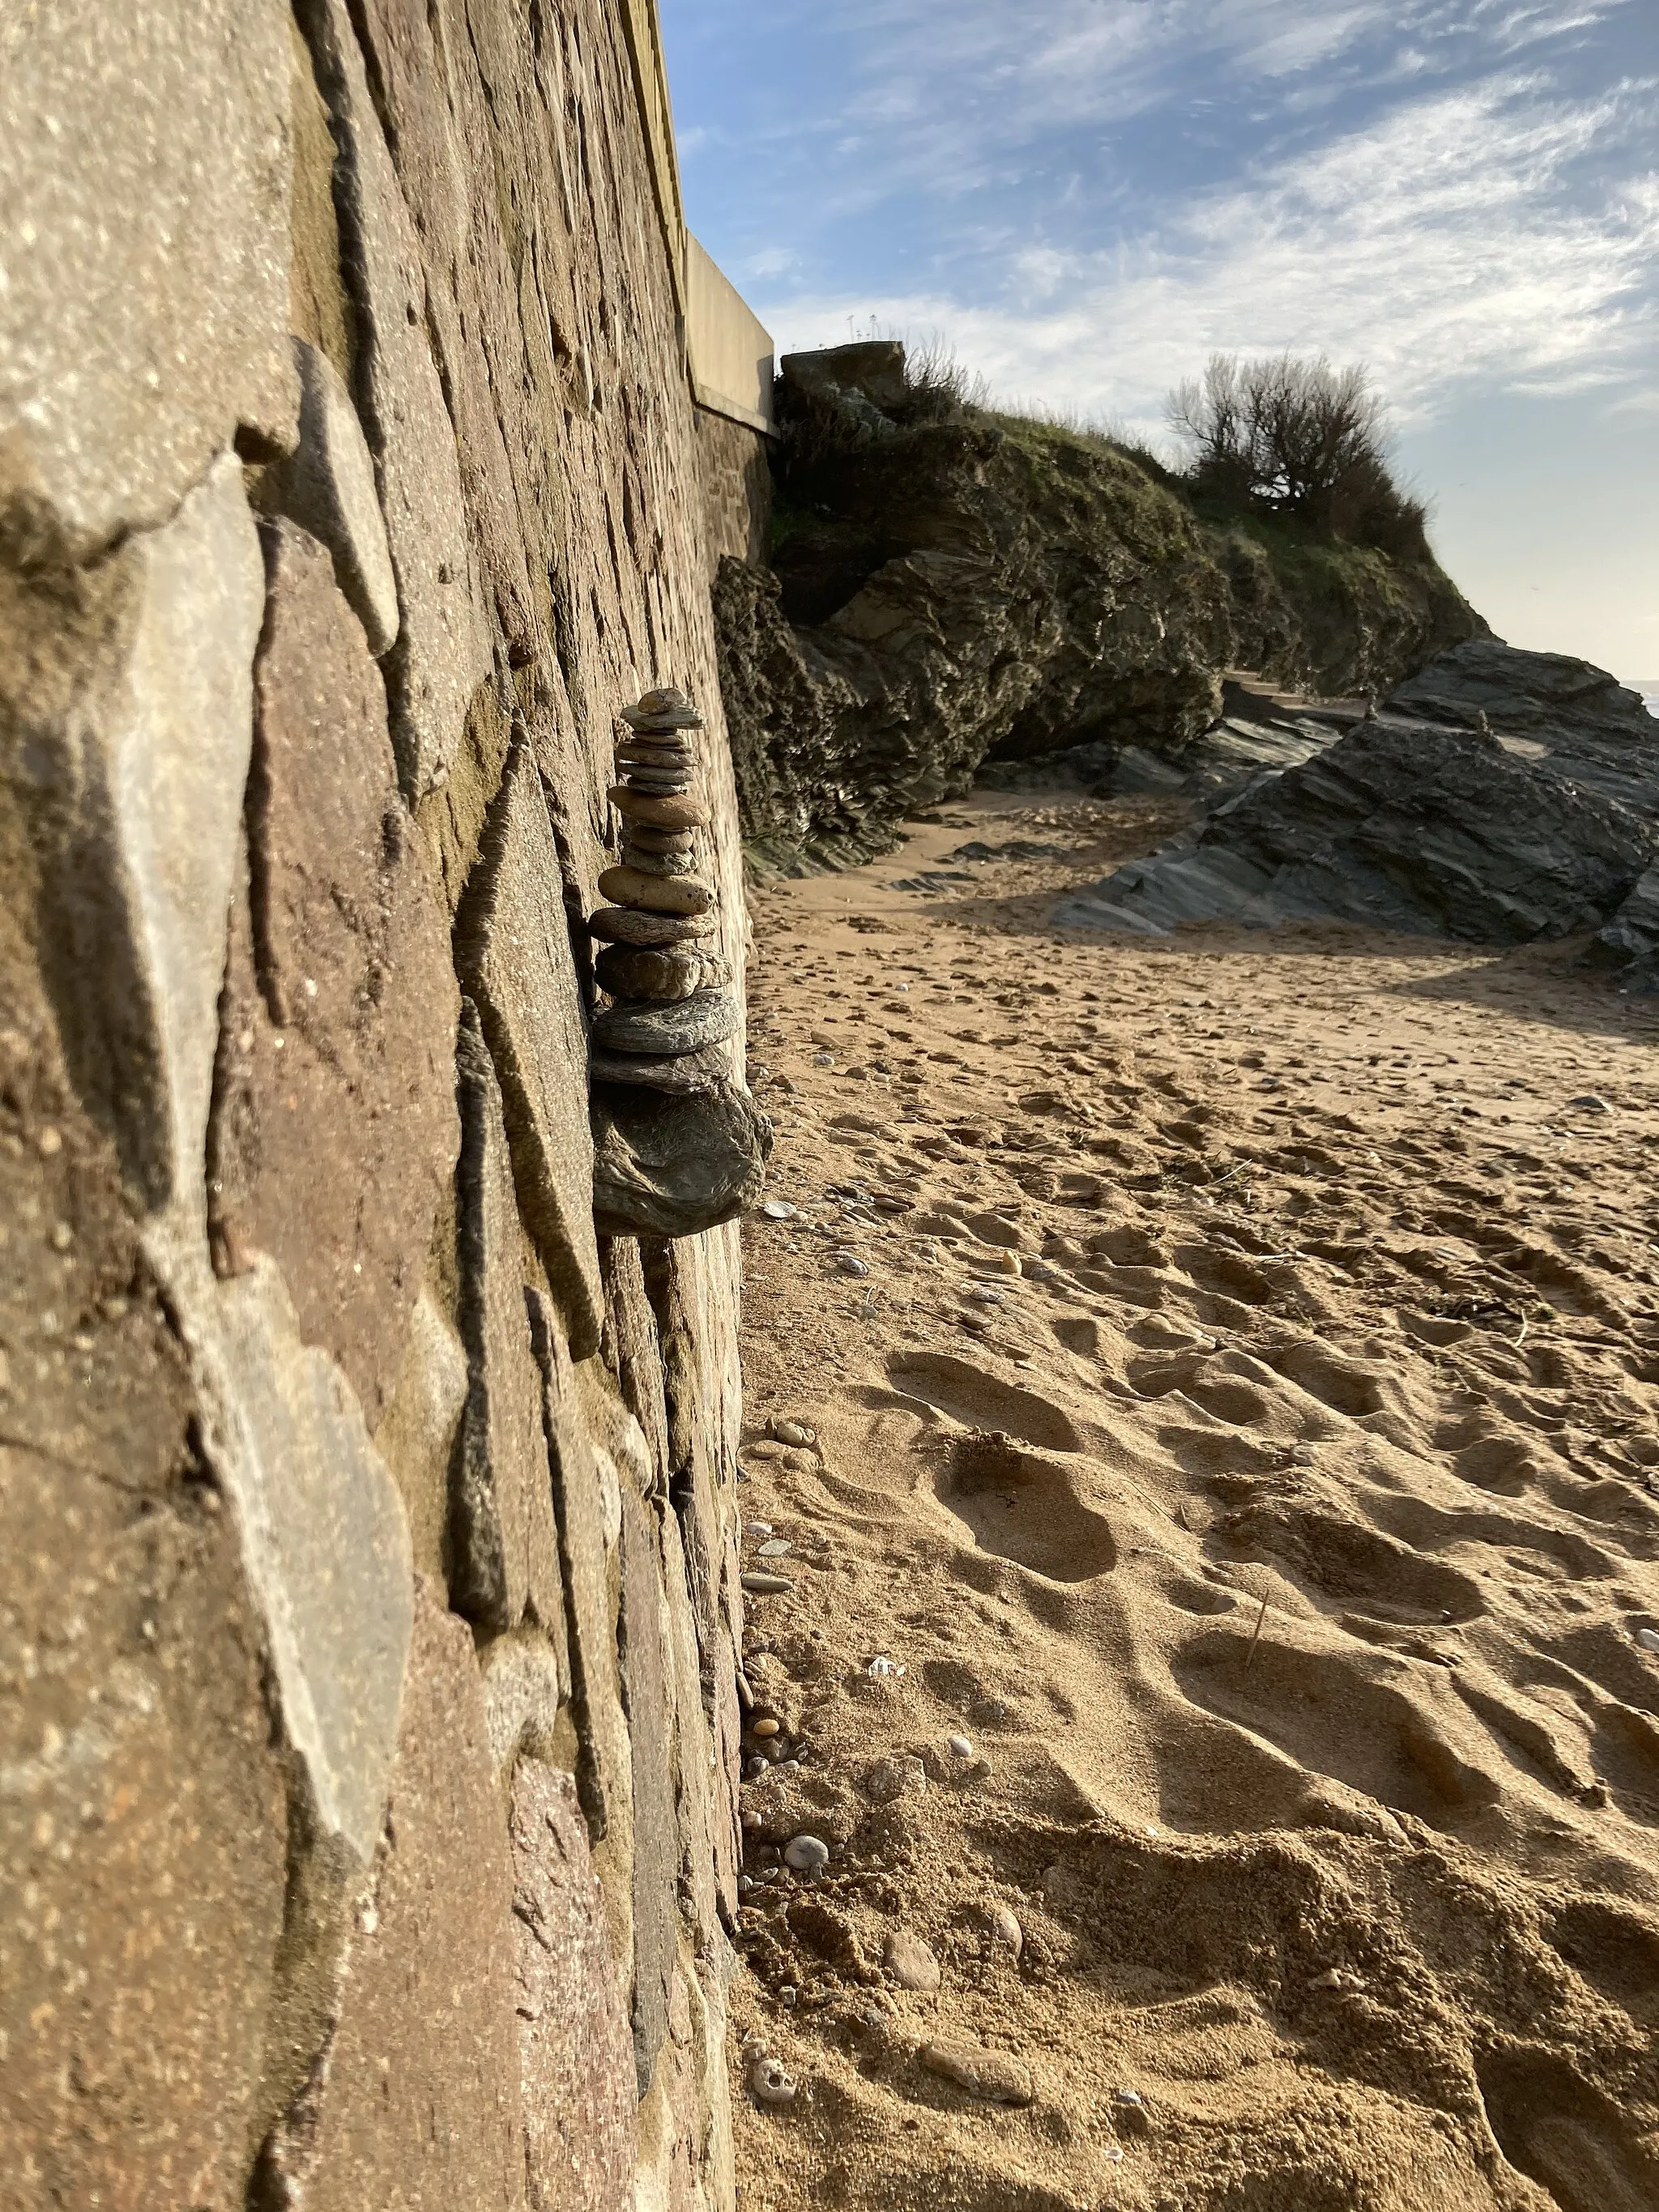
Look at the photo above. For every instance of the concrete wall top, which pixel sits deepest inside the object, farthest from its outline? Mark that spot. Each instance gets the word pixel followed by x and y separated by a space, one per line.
pixel 730 349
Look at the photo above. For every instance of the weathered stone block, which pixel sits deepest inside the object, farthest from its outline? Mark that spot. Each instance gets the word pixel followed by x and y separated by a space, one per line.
pixel 323 1533
pixel 335 1066
pixel 668 1166
pixel 577 2067
pixel 143 1816
pixel 418 2103
pixel 144 315
pixel 513 944
pixel 648 1695
pixel 587 1498
pixel 443 650
pixel 154 744
pixel 326 485
pixel 526 1684
pixel 505 1557
pixel 416 1439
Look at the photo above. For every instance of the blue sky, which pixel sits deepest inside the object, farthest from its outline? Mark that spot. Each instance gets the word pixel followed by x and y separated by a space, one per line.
pixel 1085 197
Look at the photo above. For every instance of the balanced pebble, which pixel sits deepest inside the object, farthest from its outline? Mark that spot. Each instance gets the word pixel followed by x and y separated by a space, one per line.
pixel 806 1853
pixel 622 925
pixel 678 813
pixel 960 1748
pixel 796 1433
pixel 764 1729
pixel 636 887
pixel 645 971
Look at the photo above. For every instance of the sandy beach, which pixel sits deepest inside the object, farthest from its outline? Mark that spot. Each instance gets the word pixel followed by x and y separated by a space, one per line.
pixel 1202 1480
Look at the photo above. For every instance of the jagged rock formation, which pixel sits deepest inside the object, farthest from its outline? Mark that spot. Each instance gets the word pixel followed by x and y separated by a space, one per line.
pixel 1500 796
pixel 368 1832
pixel 944 591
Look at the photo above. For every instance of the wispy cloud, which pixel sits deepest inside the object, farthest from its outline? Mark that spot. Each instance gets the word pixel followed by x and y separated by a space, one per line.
pixel 1474 236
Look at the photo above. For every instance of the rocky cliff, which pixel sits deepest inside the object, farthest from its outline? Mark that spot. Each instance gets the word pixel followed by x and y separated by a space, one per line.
pixel 368 1833
pixel 947 585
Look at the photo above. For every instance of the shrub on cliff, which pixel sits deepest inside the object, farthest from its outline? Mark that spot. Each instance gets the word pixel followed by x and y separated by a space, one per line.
pixel 1298 438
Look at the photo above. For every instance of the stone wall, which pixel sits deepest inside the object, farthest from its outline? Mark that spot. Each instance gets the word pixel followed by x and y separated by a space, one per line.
pixel 737 480
pixel 367 1827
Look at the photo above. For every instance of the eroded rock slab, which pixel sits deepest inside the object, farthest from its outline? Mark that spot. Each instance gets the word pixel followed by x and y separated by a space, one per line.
pixel 512 945
pixel 667 1166
pixel 1434 831
pixel 334 1129
pixel 577 2066
pixel 505 1551
pixel 143 1827
pixel 420 2103
pixel 648 1694
pixel 97 440
pixel 326 485
pixel 442 653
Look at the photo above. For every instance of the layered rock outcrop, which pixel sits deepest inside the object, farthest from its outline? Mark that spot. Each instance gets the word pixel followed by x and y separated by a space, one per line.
pixel 367 1834
pixel 942 591
pixel 1498 796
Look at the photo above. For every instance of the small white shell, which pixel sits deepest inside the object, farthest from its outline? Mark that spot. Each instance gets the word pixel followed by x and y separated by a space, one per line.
pixel 768 2082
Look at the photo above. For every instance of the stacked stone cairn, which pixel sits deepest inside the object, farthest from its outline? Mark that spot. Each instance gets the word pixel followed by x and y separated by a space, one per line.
pixel 673 1007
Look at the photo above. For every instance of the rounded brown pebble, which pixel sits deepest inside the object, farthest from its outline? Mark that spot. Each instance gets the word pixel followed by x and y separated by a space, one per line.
pixel 627 925
pixel 683 813
pixel 652 752
pixel 634 856
pixel 647 840
pixel 640 971
pixel 910 1962
pixel 995 2076
pixel 656 894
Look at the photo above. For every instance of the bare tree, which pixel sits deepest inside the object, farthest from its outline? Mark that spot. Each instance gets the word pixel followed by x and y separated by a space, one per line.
pixel 1297 437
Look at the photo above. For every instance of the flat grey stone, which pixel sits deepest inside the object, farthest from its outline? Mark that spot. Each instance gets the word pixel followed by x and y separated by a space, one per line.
pixel 622 925
pixel 680 1074
pixel 513 948
pixel 443 651
pixel 667 1166
pixel 327 486
pixel 144 179
pixel 324 1538
pixel 683 1025
pixel 505 1550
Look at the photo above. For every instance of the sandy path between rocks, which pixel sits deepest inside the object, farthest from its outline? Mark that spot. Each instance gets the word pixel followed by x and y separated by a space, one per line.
pixel 1233 1364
